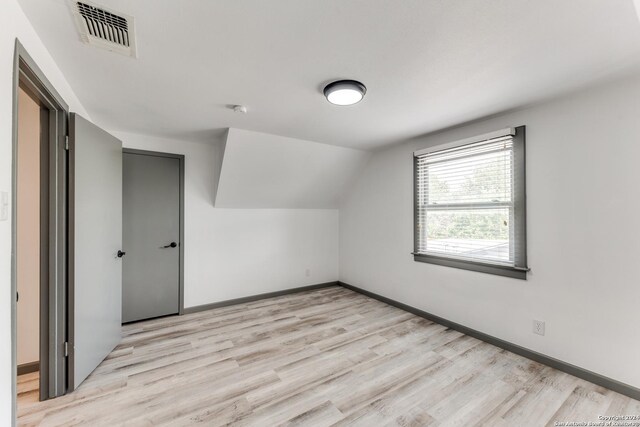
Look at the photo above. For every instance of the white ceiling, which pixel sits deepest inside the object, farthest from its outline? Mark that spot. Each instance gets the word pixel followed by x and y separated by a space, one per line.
pixel 427 64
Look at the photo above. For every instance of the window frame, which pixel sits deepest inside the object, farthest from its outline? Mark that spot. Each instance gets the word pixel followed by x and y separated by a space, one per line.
pixel 519 269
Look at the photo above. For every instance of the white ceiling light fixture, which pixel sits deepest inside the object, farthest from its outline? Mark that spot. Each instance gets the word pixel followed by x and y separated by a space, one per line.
pixel 345 92
pixel 239 109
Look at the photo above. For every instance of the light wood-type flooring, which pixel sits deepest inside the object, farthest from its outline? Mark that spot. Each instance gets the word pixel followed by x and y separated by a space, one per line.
pixel 317 358
pixel 28 388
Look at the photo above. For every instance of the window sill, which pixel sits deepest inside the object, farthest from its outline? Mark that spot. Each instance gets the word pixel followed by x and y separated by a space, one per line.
pixel 499 270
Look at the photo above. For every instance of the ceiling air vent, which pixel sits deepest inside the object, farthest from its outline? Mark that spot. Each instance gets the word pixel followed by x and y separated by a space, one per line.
pixel 104 28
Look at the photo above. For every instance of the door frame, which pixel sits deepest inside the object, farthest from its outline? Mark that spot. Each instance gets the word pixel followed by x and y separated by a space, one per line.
pixel 53 226
pixel 180 158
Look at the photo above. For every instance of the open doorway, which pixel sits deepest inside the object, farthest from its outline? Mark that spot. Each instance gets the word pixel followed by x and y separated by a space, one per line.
pixel 29 181
pixel 39 246
pixel 79 262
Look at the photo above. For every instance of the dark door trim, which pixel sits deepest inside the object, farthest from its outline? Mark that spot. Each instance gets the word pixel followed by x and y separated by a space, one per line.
pixel 54 111
pixel 180 158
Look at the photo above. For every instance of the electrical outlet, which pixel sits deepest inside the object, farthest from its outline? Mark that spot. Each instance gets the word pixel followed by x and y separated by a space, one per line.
pixel 307 272
pixel 4 206
pixel 538 327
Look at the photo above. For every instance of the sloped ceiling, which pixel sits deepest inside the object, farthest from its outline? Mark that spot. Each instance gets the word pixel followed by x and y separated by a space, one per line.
pixel 428 64
pixel 270 171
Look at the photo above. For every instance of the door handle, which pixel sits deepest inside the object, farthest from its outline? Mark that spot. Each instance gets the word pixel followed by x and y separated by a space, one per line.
pixel 170 245
pixel 121 254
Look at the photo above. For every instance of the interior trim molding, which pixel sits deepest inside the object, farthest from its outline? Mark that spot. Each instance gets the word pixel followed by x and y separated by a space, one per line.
pixel 560 365
pixel 27 368
pixel 204 307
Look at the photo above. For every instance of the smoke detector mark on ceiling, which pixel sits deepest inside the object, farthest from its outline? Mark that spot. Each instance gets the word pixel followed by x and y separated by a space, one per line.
pixel 104 28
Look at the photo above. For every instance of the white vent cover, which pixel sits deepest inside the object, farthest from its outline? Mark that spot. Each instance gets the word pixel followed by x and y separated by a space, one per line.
pixel 104 28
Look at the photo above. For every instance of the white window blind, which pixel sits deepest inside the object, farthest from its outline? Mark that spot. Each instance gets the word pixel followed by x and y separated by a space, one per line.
pixel 468 202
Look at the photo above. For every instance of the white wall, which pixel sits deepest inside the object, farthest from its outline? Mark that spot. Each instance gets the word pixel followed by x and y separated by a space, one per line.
pixel 28 230
pixel 232 253
pixel 260 170
pixel 583 198
pixel 13 23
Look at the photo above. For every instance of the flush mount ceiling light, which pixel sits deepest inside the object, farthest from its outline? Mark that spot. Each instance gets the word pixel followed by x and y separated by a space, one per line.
pixel 344 92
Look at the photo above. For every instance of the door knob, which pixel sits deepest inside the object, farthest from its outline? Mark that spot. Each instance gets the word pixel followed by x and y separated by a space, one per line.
pixel 121 254
pixel 170 245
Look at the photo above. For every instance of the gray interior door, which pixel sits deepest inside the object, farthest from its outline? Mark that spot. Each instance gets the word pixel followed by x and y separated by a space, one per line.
pixel 95 229
pixel 151 226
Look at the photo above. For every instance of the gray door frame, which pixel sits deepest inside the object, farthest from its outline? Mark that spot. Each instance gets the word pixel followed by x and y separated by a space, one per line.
pixel 180 158
pixel 53 259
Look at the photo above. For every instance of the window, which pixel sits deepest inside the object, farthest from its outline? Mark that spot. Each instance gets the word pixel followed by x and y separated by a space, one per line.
pixel 470 204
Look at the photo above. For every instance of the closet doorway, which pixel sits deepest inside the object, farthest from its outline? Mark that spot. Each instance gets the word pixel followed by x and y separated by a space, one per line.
pixel 153 228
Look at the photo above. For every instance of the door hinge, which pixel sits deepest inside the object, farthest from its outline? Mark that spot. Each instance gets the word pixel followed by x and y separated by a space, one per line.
pixel 66 142
pixel 66 349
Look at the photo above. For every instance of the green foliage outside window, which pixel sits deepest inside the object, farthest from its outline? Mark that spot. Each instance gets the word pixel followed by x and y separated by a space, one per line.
pixel 487 183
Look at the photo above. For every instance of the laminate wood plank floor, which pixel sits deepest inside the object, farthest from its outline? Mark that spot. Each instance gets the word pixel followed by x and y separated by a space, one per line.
pixel 28 388
pixel 317 358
